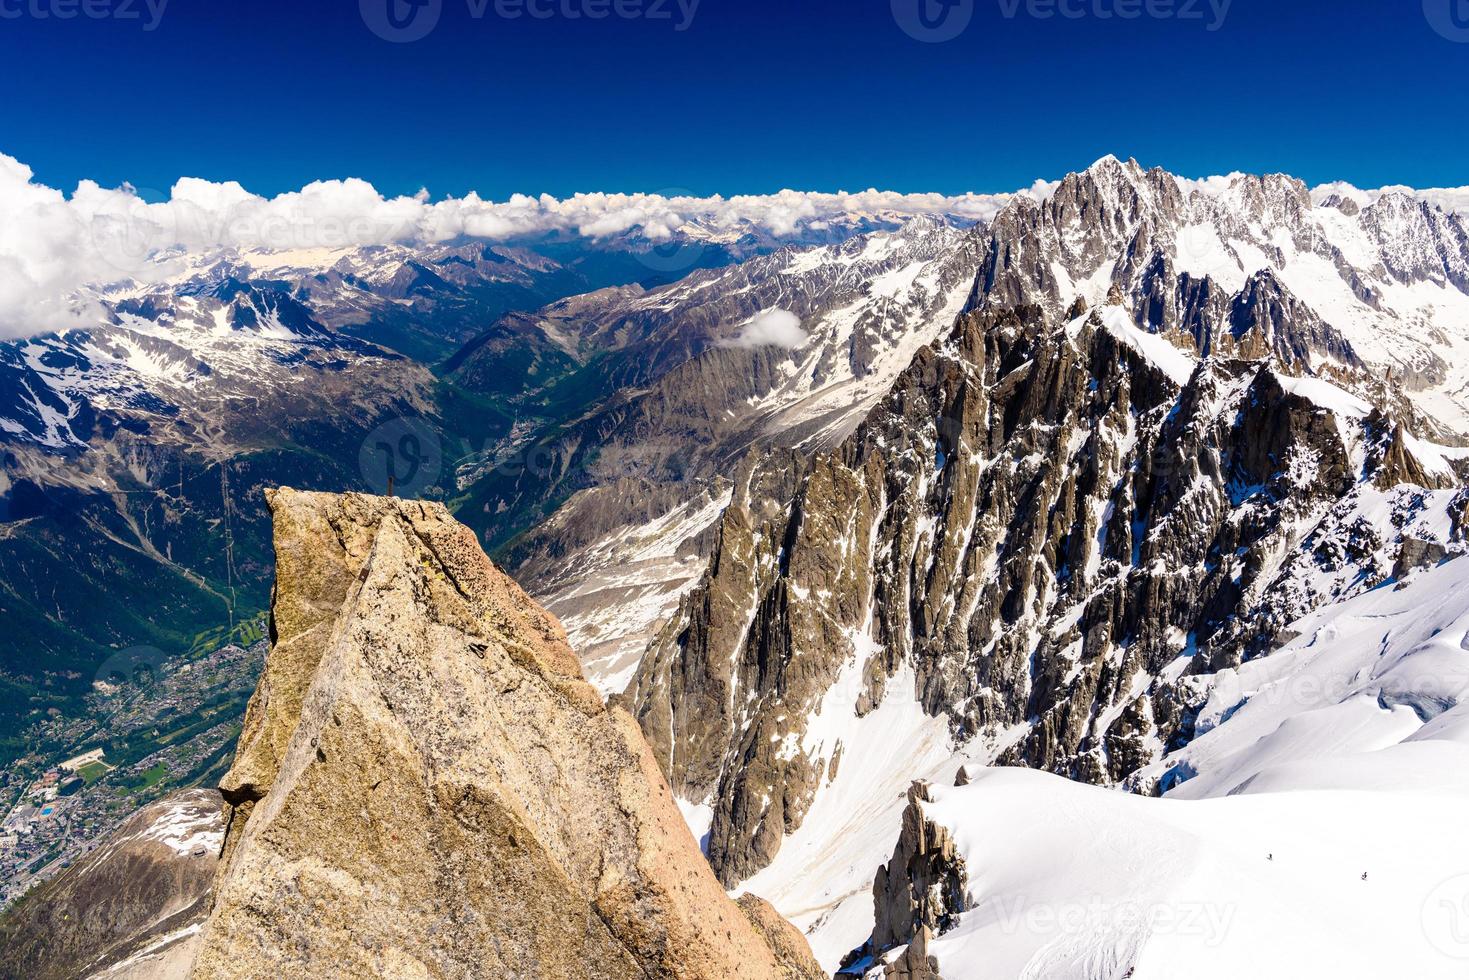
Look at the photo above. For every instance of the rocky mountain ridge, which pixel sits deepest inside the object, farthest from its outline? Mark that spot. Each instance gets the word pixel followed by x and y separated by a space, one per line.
pixel 689 392
pixel 1307 765
pixel 1250 265
pixel 1172 418
pixel 1035 536
pixel 136 443
pixel 425 785
pixel 129 909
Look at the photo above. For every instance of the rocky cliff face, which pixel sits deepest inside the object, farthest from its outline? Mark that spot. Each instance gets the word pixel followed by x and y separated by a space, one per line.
pixel 674 388
pixel 426 786
pixel 1040 530
pixel 1053 516
pixel 919 894
pixel 924 886
pixel 130 908
pixel 1248 266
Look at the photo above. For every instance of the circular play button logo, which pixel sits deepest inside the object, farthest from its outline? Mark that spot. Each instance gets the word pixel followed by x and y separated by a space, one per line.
pixel 401 21
pixel 933 21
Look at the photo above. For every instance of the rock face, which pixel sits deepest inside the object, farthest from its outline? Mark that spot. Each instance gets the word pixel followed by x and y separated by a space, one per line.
pixel 1245 266
pixel 427 787
pixel 1043 527
pixel 925 886
pixel 130 908
pixel 674 392
pixel 917 895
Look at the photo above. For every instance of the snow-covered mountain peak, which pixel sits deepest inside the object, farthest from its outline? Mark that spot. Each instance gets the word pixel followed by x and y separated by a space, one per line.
pixel 1254 263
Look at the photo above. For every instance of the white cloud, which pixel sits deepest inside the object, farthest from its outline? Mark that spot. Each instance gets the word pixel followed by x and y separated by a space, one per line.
pixel 52 245
pixel 773 328
pixel 1454 199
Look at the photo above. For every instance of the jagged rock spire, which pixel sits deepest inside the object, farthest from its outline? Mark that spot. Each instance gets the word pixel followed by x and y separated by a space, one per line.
pixel 428 787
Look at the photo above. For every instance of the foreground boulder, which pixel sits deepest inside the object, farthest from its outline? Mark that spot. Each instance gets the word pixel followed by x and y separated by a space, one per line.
pixel 131 908
pixel 427 787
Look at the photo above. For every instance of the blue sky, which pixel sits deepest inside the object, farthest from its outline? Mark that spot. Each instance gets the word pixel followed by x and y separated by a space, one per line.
pixel 749 97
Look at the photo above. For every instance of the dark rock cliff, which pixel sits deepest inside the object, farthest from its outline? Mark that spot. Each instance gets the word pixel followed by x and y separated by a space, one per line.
pixel 1048 525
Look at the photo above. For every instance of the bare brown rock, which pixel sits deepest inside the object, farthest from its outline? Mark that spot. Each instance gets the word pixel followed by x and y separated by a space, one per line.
pixel 785 939
pixel 916 962
pixel 427 787
pixel 925 886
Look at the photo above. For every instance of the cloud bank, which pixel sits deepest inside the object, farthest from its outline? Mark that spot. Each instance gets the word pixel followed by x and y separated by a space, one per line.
pixel 1455 199
pixel 52 245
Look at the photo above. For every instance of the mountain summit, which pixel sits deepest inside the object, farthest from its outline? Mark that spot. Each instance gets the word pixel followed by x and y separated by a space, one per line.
pixel 426 786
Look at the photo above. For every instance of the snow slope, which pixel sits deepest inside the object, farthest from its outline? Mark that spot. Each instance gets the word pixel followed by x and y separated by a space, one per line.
pixel 1314 828
pixel 1327 555
pixel 1070 882
pixel 1372 694
pixel 613 593
pixel 822 878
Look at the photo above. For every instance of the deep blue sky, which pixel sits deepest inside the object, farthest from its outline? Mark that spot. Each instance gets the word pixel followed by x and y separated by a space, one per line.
pixel 756 95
